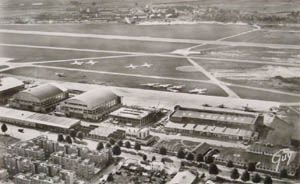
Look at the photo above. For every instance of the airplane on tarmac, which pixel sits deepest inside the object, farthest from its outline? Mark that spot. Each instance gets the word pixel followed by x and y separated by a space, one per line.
pixel 147 65
pixel 198 91
pixel 150 84
pixel 177 87
pixel 60 74
pixel 172 90
pixel 91 62
pixel 131 66
pixel 77 63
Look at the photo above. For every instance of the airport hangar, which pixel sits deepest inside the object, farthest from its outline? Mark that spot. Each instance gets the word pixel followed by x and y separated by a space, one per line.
pixel 214 122
pixel 92 105
pixel 37 120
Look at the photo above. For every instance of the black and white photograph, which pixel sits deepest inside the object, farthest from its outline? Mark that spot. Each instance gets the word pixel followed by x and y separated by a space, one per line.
pixel 150 91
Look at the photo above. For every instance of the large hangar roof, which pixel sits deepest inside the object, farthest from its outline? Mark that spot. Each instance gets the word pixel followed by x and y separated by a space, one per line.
pixel 95 97
pixel 45 91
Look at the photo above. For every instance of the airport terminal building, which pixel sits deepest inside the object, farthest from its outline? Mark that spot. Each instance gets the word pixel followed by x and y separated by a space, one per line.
pixel 43 98
pixel 92 105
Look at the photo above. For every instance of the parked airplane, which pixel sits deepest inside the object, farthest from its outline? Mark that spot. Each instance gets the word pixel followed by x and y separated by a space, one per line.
pixel 77 63
pixel 150 84
pixel 177 87
pixel 164 85
pixel 131 66
pixel 60 74
pixel 91 62
pixel 198 91
pixel 147 65
pixel 172 90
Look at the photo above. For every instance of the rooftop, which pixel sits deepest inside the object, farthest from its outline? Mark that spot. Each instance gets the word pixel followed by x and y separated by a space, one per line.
pixel 131 113
pixel 103 131
pixel 37 118
pixel 210 129
pixel 217 114
pixel 185 177
pixel 9 82
pixel 45 91
pixel 94 98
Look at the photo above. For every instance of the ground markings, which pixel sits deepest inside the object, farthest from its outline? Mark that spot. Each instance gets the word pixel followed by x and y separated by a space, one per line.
pixel 230 92
pixel 149 54
pixel 123 74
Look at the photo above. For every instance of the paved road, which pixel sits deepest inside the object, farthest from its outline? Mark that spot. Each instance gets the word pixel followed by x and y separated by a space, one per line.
pixel 151 39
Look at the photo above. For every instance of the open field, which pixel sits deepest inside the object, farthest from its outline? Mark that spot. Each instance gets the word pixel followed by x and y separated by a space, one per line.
pixel 22 54
pixel 193 31
pixel 91 43
pixel 267 36
pixel 112 80
pixel 263 95
pixel 250 53
pixel 280 78
pixel 158 66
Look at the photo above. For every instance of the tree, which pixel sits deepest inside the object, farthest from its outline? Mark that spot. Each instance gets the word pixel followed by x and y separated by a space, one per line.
pixel 144 157
pixel 190 156
pixel 127 144
pixel 251 166
pixel 120 143
pixel 116 150
pixel 199 157
pixel 234 174
pixel 209 159
pixel 137 146
pixel 153 158
pixel 283 173
pixel 229 164
pixel 180 153
pixel 162 150
pixel 79 135
pixel 256 178
pixel 73 133
pixel 213 169
pixel 69 139
pixel 268 180
pixel 60 138
pixel 110 177
pixel 4 128
pixel 100 146
pixel 108 145
pixel 112 141
pixel 245 176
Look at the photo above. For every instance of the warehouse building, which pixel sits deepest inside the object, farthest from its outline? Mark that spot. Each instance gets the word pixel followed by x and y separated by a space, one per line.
pixel 132 116
pixel 92 105
pixel 8 87
pixel 37 120
pixel 43 98
pixel 215 117
pixel 214 122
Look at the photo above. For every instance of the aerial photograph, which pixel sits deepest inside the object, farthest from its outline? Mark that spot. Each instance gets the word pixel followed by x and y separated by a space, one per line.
pixel 149 91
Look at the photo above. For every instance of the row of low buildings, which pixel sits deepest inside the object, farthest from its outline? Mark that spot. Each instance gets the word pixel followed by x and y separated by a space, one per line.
pixel 214 122
pixel 55 161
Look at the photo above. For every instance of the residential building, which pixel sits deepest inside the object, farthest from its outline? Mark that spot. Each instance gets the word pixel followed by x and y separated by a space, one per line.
pixel 140 135
pixel 92 105
pixel 43 98
pixel 185 177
